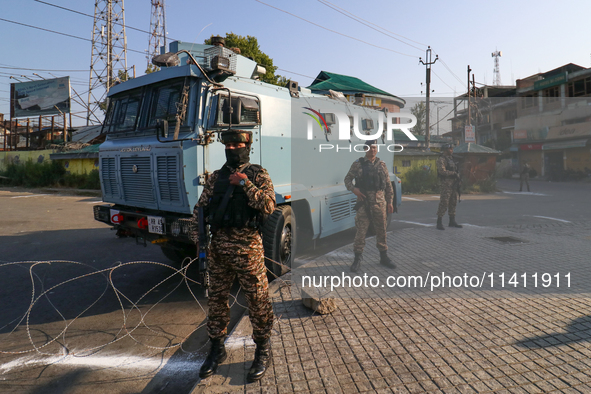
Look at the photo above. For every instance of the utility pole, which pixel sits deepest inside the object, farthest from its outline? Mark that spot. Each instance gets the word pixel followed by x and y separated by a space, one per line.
pixel 428 64
pixel 469 120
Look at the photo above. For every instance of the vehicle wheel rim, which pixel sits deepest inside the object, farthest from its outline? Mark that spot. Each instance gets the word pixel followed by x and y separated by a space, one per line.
pixel 285 246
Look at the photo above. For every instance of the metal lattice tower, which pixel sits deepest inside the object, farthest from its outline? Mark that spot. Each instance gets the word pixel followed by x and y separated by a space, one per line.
pixel 109 53
pixel 497 70
pixel 157 30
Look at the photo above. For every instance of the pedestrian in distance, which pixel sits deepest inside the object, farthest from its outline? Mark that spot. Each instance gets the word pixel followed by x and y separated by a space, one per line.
pixel 235 200
pixel 375 195
pixel 524 176
pixel 449 178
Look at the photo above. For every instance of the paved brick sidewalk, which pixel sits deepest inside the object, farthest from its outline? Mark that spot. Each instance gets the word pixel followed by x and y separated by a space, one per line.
pixel 458 340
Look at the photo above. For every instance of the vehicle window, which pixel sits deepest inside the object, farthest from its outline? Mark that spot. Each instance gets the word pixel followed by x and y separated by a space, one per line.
pixel 123 112
pixel 165 103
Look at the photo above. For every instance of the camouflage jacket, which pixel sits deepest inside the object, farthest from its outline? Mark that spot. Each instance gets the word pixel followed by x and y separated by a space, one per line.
pixel 446 167
pixel 355 172
pixel 261 196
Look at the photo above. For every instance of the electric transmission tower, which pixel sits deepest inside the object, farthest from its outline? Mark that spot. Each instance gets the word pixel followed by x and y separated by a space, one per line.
pixel 108 60
pixel 157 30
pixel 497 70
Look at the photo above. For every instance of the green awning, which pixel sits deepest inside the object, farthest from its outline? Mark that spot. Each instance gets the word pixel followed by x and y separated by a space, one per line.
pixel 565 144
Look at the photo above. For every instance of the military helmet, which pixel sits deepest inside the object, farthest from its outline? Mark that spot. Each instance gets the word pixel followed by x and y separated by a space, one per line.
pixel 447 146
pixel 234 135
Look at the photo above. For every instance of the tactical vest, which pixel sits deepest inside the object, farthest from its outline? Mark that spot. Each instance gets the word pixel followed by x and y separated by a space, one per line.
pixel 371 179
pixel 450 165
pixel 237 213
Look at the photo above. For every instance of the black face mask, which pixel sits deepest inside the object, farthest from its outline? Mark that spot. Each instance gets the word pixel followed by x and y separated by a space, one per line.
pixel 238 156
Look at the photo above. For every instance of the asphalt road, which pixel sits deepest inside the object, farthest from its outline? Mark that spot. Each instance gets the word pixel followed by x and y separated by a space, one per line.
pixel 109 315
pixel 115 317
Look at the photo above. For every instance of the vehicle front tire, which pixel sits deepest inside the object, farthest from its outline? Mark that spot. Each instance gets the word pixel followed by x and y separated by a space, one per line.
pixel 279 240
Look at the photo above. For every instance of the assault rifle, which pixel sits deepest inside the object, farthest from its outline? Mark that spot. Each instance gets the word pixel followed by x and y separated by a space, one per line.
pixel 202 250
pixel 458 185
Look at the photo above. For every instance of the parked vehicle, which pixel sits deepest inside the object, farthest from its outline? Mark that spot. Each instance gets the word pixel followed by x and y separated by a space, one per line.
pixel 162 142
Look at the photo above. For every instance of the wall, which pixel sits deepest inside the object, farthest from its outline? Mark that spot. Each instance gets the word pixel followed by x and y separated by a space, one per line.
pixel 578 158
pixel 37 156
pixel 478 167
pixel 75 166
pixel 419 160
pixel 81 166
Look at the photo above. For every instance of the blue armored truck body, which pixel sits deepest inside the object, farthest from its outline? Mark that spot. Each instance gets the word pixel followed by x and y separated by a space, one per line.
pixel 162 142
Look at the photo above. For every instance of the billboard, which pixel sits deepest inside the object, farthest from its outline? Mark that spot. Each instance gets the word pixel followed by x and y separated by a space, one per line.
pixel 46 97
pixel 469 134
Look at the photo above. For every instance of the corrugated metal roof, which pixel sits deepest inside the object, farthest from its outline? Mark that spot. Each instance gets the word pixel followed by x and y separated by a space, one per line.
pixel 86 133
pixel 343 83
pixel 471 147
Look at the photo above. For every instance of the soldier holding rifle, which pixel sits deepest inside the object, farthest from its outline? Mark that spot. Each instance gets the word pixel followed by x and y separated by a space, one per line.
pixel 234 200
pixel 374 202
pixel 449 180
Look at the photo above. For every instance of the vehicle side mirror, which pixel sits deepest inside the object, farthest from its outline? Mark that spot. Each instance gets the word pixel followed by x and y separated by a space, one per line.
pixel 162 128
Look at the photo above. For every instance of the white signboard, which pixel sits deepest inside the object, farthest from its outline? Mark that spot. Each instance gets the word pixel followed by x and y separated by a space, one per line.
pixel 469 134
pixel 46 97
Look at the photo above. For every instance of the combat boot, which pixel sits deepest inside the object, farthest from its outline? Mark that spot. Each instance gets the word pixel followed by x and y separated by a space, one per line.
pixel 216 356
pixel 440 223
pixel 356 263
pixel 452 222
pixel 262 359
pixel 385 260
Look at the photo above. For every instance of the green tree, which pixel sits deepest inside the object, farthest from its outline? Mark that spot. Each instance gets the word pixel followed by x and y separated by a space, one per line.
pixel 151 68
pixel 420 112
pixel 249 47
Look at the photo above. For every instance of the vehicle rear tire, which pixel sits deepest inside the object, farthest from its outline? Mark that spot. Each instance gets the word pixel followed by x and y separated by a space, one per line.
pixel 279 240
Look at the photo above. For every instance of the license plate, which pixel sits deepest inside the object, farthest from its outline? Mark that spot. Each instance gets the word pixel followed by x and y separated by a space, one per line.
pixel 156 225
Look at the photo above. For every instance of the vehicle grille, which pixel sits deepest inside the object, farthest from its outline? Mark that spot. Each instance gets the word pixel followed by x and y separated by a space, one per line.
pixel 137 184
pixel 109 176
pixel 341 210
pixel 168 178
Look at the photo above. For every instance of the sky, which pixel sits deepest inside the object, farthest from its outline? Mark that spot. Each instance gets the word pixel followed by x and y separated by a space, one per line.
pixel 377 41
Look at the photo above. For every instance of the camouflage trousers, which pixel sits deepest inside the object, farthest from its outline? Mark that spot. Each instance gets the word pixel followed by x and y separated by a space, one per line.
pixel 377 217
pixel 448 199
pixel 524 178
pixel 252 276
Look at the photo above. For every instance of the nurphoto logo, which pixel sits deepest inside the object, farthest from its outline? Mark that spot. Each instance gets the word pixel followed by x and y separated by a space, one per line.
pixel 349 125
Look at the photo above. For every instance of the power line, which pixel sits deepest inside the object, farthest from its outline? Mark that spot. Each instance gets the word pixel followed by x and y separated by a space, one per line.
pixel 451 72
pixel 92 16
pixel 367 23
pixel 38 69
pixel 333 31
pixel 57 32
pixel 291 72
pixel 442 80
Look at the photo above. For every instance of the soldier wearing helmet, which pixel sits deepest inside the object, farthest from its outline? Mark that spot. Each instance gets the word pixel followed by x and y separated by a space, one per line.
pixel 448 174
pixel 235 200
pixel 374 202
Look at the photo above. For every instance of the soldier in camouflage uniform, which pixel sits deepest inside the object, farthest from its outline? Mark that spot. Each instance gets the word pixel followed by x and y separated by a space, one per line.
pixel 524 176
pixel 374 202
pixel 449 175
pixel 236 249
